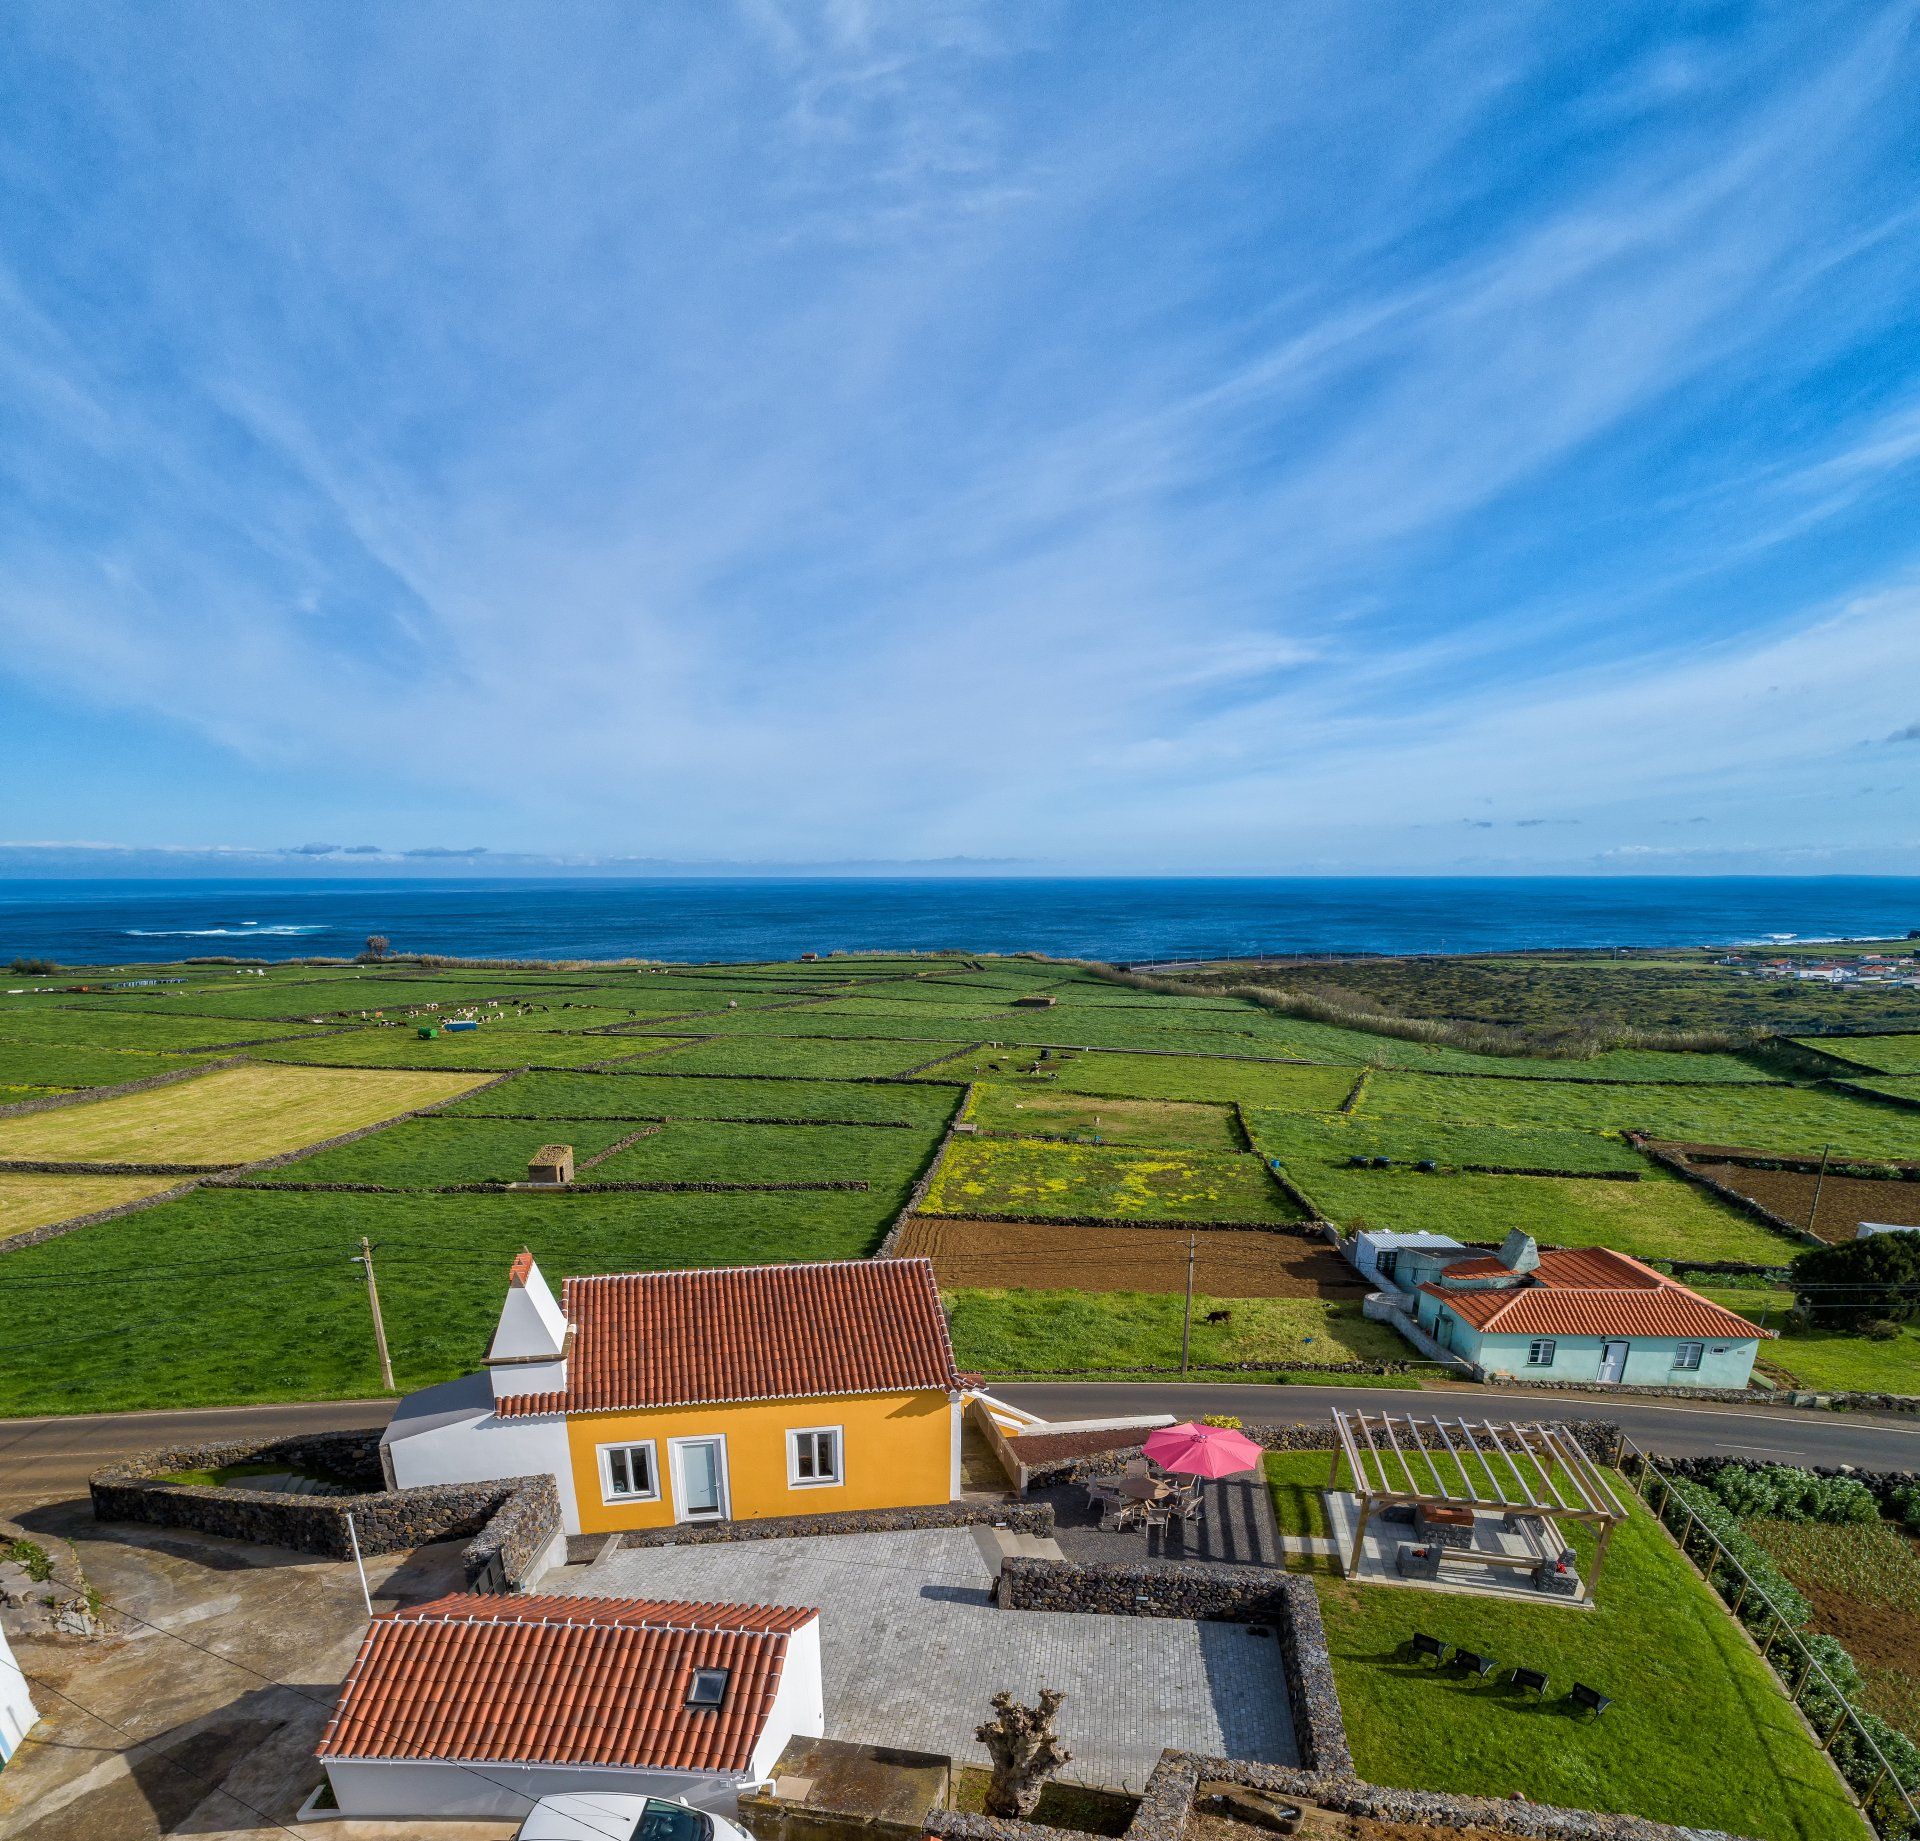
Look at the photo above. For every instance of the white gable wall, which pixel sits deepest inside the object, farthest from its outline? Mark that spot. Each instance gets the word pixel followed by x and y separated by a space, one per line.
pixel 799 1709
pixel 17 1711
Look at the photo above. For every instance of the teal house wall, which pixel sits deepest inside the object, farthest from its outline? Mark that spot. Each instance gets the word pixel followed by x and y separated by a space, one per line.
pixel 1651 1360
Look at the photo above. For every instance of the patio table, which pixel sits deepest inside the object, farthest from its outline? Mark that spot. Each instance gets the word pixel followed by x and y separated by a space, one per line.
pixel 1145 1489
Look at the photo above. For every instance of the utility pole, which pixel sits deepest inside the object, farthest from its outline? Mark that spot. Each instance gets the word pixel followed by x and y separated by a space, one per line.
pixel 365 1258
pixel 1186 1332
pixel 1813 1213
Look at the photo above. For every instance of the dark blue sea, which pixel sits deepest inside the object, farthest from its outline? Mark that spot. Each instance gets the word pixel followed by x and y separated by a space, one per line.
pixel 118 922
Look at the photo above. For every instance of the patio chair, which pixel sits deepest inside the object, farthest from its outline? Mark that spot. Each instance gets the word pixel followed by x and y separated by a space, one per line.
pixel 1474 1663
pixel 1188 1508
pixel 1429 1646
pixel 1138 1467
pixel 1589 1701
pixel 1529 1681
pixel 1101 1490
pixel 1156 1514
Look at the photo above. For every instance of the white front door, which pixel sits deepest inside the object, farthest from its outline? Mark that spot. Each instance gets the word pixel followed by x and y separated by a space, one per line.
pixel 1613 1360
pixel 699 1478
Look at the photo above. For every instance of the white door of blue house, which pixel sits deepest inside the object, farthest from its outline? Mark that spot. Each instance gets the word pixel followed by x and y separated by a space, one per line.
pixel 1613 1360
pixel 699 1478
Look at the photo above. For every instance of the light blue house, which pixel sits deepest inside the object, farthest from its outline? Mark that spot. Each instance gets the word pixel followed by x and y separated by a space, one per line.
pixel 1584 1314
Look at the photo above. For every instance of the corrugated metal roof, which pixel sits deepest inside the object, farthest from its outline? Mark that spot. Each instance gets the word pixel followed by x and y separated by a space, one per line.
pixel 475 1678
pixel 794 1332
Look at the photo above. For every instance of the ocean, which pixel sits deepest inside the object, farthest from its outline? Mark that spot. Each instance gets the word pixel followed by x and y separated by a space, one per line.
pixel 121 922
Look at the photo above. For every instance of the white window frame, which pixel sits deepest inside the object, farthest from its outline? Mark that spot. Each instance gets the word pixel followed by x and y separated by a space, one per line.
pixel 1697 1350
pixel 613 1498
pixel 794 1435
pixel 1549 1343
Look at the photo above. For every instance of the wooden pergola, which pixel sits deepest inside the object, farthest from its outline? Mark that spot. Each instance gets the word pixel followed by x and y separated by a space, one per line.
pixel 1503 1466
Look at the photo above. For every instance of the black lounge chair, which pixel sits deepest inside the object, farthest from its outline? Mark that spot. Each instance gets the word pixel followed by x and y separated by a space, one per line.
pixel 1428 1646
pixel 1474 1662
pixel 1529 1681
pixel 1589 1701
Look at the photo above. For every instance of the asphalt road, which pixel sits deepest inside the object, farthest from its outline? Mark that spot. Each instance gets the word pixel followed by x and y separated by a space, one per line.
pixel 49 1460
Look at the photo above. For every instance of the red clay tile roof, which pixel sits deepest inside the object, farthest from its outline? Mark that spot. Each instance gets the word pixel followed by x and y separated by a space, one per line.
pixel 522 1265
pixel 1590 1291
pixel 478 1678
pixel 793 1332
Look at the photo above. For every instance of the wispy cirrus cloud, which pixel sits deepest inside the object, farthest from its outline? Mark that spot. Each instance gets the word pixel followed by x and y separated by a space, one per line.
pixel 834 430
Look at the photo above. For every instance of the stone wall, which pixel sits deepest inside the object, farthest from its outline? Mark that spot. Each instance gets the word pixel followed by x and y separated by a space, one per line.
pixel 1206 1593
pixel 514 1519
pixel 1022 1517
pixel 917 1194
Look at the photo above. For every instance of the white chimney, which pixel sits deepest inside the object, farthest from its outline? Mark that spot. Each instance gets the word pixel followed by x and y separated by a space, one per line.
pixel 528 1354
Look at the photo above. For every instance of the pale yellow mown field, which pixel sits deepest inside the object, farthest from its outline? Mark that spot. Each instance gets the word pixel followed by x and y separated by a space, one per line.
pixel 28 1201
pixel 231 1116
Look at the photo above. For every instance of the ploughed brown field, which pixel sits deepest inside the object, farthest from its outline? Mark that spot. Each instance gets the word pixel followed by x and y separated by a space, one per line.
pixel 1845 1201
pixel 1049 1256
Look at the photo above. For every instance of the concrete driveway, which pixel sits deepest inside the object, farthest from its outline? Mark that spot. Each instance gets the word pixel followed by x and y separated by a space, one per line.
pixel 199 1715
pixel 913 1650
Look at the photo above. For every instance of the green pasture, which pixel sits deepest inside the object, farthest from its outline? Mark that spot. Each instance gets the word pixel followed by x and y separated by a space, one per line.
pixel 1083 1332
pixel 585 1096
pixel 1023 1177
pixel 1278 1085
pixel 1658 1217
pixel 74 1027
pixel 1309 1139
pixel 1877 1054
pixel 487 1048
pixel 1800 1119
pixel 805 1056
pixel 699 1150
pixel 239 1295
pixel 53 1064
pixel 1049 1112
pixel 434 1152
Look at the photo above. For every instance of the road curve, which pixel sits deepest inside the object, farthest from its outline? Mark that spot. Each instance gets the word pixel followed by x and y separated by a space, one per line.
pixel 49 1460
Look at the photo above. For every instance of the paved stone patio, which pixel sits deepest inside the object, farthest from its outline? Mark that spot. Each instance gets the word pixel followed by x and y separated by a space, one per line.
pixel 913 1650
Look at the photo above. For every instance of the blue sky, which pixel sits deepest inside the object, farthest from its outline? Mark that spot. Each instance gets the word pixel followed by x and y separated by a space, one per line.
pixel 1246 437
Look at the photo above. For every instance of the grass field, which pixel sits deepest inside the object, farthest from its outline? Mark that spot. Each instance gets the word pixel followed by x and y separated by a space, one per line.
pixel 276 1312
pixel 1071 1332
pixel 1878 1054
pixel 1308 1140
pixel 1779 1118
pixel 1174 1123
pixel 1701 1734
pixel 813 1057
pixel 229 1116
pixel 28 1200
pixel 1011 1176
pixel 586 1096
pixel 1656 1218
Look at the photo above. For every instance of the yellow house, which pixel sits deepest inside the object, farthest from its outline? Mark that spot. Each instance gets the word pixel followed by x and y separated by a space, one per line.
pixel 730 1393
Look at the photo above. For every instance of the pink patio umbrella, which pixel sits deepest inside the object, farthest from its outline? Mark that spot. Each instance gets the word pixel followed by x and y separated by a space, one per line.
pixel 1201 1450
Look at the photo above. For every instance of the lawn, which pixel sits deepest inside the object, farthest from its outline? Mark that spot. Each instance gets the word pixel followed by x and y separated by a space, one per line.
pixel 1025 1178
pixel 1778 1118
pixel 277 1312
pixel 28 1200
pixel 1699 1733
pixel 1040 1113
pixel 1077 1332
pixel 229 1116
pixel 653 1096
pixel 1656 1218
pixel 1838 1362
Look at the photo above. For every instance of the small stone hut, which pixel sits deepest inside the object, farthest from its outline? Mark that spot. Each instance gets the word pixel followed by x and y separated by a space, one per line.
pixel 551 1163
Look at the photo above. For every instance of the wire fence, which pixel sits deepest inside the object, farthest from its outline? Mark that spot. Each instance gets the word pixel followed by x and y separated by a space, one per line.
pixel 1844 1736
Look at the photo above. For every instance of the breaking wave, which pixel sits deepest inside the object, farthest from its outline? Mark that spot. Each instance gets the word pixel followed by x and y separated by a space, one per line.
pixel 250 930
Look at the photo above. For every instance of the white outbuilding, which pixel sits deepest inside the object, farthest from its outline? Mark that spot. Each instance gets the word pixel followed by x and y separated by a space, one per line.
pixel 475 1706
pixel 17 1711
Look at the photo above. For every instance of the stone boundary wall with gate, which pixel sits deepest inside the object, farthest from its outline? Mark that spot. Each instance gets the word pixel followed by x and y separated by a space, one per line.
pixel 515 1521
